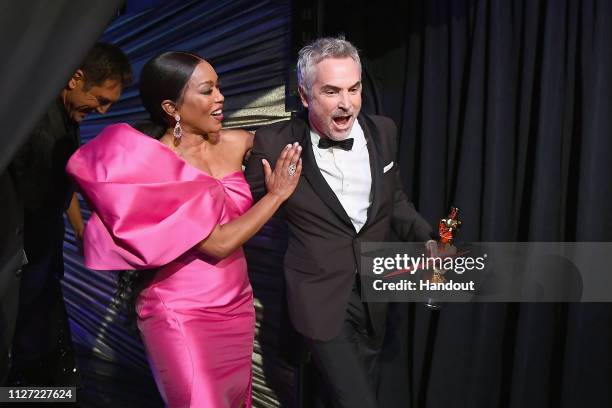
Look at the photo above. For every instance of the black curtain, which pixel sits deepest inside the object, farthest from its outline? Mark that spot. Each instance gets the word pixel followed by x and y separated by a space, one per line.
pixel 42 43
pixel 505 110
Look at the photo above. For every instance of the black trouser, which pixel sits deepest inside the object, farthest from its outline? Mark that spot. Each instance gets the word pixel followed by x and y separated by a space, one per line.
pixel 42 346
pixel 347 364
pixel 9 301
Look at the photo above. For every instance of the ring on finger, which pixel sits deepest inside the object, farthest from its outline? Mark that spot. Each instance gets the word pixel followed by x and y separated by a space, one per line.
pixel 292 169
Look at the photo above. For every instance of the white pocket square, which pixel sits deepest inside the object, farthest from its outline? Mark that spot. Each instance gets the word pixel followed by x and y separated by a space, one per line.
pixel 387 167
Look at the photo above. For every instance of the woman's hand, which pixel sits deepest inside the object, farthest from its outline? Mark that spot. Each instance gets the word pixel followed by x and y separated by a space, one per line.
pixel 282 181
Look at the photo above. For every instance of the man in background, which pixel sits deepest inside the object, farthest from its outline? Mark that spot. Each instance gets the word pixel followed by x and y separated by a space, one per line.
pixel 42 346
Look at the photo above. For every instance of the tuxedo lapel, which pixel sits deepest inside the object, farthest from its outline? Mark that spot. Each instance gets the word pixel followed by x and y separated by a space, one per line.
pixel 373 140
pixel 311 171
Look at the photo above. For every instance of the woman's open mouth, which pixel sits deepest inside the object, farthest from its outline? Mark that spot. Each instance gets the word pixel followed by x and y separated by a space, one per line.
pixel 217 114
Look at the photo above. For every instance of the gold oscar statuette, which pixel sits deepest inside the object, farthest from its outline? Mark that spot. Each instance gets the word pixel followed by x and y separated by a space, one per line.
pixel 447 228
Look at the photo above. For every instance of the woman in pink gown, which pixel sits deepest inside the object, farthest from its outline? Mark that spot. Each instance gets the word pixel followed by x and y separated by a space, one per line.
pixel 181 208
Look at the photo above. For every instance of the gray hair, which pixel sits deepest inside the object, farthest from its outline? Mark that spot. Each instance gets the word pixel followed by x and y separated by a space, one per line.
pixel 315 52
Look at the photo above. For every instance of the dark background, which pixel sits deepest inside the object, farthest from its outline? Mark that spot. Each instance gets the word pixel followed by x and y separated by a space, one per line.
pixel 504 109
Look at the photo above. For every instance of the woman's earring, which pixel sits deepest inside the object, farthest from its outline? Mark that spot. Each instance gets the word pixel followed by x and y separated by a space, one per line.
pixel 178 132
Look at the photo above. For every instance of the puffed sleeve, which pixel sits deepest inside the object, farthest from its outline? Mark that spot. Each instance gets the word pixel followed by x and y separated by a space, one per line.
pixel 149 206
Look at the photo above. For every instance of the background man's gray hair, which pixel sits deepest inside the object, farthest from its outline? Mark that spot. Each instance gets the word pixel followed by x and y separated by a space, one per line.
pixel 320 49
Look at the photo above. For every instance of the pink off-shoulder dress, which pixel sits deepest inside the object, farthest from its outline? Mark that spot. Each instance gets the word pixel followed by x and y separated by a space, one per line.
pixel 150 208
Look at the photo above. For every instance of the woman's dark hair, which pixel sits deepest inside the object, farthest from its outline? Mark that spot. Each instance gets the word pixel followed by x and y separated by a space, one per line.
pixel 129 285
pixel 164 77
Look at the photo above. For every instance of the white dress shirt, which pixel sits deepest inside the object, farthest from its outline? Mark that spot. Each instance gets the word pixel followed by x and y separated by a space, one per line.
pixel 348 174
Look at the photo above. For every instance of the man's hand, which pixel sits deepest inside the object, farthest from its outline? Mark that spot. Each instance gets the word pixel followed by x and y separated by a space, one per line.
pixel 76 221
pixel 78 236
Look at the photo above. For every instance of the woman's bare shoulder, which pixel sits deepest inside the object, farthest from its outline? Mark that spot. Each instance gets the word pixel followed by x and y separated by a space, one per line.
pixel 237 137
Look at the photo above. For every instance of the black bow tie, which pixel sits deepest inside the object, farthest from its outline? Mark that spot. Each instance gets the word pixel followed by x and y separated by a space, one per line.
pixel 346 144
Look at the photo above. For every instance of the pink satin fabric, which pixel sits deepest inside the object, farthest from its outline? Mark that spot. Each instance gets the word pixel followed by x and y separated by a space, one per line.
pixel 150 208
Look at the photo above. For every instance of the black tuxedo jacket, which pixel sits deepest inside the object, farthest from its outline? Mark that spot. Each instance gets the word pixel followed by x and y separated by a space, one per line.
pixel 324 249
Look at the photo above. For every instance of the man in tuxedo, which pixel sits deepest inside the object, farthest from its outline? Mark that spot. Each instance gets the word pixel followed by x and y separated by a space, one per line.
pixel 42 345
pixel 350 192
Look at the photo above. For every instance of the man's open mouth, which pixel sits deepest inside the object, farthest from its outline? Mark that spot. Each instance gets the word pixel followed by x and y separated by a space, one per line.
pixel 342 121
